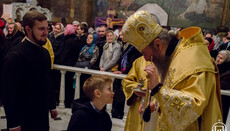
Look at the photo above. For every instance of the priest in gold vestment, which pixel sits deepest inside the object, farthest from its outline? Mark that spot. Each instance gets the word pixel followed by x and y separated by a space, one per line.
pixel 188 90
pixel 134 120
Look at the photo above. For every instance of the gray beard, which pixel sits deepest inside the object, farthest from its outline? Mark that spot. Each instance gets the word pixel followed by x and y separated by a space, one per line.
pixel 162 64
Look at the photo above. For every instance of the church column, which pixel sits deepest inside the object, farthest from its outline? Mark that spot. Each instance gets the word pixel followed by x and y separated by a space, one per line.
pixel 71 13
pixel 224 13
pixel 87 11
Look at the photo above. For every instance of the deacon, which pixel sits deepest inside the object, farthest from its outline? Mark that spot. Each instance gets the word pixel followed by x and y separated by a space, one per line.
pixel 28 97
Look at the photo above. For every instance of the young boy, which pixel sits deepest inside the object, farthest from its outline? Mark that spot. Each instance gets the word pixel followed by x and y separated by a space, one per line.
pixel 88 112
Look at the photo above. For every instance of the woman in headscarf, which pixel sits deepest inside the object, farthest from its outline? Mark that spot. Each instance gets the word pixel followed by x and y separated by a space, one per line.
pixel 89 53
pixel 58 29
pixel 57 40
pixel 87 58
pixel 68 56
pixel 71 48
pixel 210 43
pixel 111 52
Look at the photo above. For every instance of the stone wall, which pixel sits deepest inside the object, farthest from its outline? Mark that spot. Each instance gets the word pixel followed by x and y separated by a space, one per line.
pixel 202 13
pixel 8 2
pixel 70 10
pixel 17 10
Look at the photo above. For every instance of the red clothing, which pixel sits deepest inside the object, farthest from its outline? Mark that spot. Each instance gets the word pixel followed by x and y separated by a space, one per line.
pixel 210 47
pixel 2 35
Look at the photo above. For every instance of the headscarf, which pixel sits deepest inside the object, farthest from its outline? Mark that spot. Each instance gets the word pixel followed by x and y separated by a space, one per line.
pixel 61 28
pixel 69 29
pixel 91 46
pixel 211 42
pixel 109 45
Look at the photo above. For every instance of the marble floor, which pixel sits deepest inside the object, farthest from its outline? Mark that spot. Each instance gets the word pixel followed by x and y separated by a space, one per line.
pixel 61 123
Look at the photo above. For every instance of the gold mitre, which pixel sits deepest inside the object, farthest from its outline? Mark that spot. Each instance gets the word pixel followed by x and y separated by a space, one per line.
pixel 140 29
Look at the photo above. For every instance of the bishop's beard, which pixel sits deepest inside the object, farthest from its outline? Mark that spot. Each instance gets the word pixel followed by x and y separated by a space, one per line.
pixel 162 64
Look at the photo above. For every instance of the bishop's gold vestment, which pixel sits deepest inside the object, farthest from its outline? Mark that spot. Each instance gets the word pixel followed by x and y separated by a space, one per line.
pixel 191 88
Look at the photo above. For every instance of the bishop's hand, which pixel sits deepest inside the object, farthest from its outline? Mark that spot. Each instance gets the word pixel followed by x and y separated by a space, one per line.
pixel 152 75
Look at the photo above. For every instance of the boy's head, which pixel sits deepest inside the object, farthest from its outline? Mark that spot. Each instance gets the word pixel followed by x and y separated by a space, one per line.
pixel 99 86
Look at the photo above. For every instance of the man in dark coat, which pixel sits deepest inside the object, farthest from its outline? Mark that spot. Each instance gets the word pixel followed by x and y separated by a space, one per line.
pixel 57 44
pixel 70 52
pixel 101 40
pixel 226 44
pixel 27 97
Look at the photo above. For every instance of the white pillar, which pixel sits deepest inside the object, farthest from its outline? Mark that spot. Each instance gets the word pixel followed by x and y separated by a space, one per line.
pixel 228 120
pixel 77 86
pixel 109 106
pixel 62 90
pixel 126 110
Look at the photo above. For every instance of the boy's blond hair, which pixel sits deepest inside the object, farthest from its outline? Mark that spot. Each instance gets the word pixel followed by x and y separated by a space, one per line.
pixel 95 82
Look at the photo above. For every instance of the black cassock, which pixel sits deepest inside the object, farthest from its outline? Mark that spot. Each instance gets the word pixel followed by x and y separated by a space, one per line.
pixel 27 94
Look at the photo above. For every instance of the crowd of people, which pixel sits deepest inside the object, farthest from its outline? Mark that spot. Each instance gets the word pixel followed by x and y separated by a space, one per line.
pixel 79 45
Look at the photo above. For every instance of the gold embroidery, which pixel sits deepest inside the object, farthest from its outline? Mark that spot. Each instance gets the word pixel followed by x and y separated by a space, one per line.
pixel 190 73
pixel 179 111
pixel 162 124
pixel 178 108
pixel 169 78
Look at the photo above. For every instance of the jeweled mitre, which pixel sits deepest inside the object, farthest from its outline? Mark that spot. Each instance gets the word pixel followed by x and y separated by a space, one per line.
pixel 140 29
